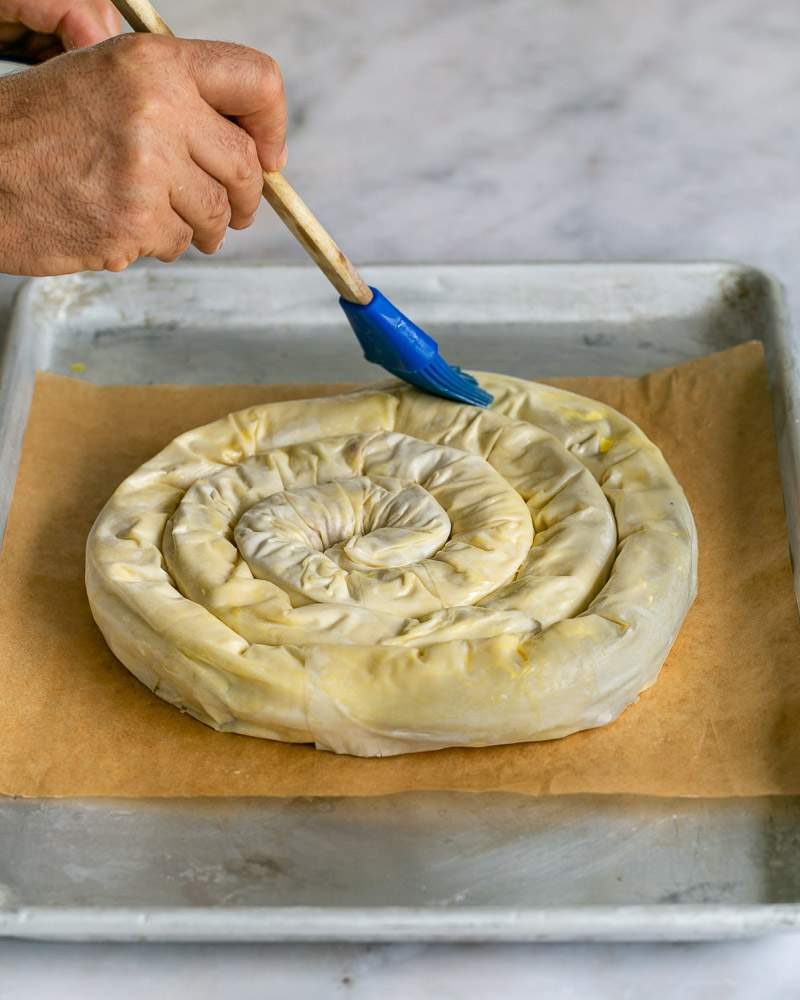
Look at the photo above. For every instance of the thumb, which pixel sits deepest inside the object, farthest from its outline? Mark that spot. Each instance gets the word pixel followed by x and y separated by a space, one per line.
pixel 247 85
pixel 88 22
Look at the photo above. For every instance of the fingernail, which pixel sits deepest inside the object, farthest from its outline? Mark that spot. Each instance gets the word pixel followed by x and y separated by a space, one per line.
pixel 283 157
pixel 220 245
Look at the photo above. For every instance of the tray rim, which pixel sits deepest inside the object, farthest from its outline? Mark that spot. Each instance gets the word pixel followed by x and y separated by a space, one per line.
pixel 284 924
pixel 381 923
pixel 19 350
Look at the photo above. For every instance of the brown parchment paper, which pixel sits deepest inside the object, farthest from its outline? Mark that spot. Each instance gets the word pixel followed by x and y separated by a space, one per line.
pixel 723 719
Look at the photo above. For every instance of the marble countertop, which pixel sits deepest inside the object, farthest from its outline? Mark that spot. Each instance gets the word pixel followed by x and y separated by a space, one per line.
pixel 752 970
pixel 466 130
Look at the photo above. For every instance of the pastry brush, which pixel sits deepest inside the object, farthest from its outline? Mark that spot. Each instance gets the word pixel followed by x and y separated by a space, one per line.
pixel 387 336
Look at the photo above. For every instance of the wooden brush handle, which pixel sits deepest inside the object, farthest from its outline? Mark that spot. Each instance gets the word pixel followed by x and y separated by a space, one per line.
pixel 298 217
pixel 142 17
pixel 310 234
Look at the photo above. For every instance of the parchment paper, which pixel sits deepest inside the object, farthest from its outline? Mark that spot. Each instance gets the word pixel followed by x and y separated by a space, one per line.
pixel 723 719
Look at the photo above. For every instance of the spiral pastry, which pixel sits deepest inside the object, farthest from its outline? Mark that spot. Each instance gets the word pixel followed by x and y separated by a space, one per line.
pixel 385 571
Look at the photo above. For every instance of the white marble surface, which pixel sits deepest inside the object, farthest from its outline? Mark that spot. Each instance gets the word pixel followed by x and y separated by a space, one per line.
pixel 732 971
pixel 513 129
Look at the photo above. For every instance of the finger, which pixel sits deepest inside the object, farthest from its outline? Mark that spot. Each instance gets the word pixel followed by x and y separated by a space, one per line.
pixel 202 203
pixel 75 22
pixel 173 238
pixel 45 16
pixel 246 84
pixel 87 22
pixel 228 154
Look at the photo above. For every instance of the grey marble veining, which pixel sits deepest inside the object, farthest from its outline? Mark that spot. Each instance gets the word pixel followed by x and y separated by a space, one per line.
pixel 557 129
pixel 533 129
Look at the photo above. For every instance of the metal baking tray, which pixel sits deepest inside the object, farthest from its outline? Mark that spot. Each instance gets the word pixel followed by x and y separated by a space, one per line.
pixel 432 866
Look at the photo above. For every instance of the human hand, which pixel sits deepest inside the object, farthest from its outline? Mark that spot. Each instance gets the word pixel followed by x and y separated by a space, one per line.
pixel 125 150
pixel 35 30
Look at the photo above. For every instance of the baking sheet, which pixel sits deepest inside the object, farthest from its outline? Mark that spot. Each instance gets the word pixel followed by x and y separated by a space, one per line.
pixel 723 718
pixel 605 315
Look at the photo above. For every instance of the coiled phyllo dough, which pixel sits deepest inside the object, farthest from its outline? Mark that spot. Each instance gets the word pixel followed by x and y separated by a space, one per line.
pixel 385 571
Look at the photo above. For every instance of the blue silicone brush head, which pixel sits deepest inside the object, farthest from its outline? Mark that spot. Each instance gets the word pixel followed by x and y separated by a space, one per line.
pixel 389 339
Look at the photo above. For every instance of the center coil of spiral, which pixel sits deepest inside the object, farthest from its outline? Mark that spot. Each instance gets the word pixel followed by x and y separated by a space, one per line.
pixel 378 538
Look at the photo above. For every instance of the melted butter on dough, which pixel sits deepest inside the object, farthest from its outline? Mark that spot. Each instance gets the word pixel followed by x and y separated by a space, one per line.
pixel 385 571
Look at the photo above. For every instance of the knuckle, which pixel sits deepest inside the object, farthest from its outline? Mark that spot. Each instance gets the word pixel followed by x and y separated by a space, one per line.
pixel 134 49
pixel 179 243
pixel 269 76
pixel 117 259
pixel 246 165
pixel 138 67
pixel 183 240
pixel 134 147
pixel 217 207
pixel 138 159
pixel 144 108
pixel 137 165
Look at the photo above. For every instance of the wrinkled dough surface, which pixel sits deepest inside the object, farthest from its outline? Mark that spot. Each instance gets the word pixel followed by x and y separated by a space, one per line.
pixel 386 571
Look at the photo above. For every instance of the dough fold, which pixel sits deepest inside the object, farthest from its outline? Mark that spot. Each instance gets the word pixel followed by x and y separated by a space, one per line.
pixel 385 572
